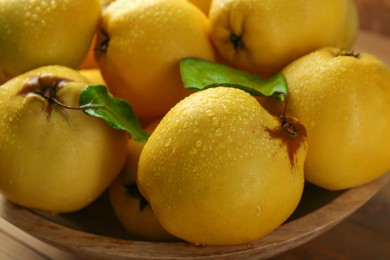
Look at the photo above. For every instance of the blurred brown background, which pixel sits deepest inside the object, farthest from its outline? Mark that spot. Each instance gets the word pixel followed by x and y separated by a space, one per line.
pixel 374 15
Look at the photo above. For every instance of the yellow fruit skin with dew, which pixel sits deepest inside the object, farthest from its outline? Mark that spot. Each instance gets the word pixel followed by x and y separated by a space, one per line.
pixel 54 159
pixel 344 103
pixel 138 219
pixel 263 36
pixel 38 33
pixel 215 173
pixel 141 45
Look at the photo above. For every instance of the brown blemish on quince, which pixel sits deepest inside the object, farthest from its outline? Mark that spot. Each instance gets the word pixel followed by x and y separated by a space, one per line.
pixel 291 133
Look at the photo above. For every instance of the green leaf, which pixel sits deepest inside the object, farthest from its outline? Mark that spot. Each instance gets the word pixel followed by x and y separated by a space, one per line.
pixel 200 74
pixel 96 101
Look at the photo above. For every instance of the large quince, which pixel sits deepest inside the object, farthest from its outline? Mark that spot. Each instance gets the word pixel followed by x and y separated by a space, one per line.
pixel 343 100
pixel 263 36
pixel 140 46
pixel 54 157
pixel 219 169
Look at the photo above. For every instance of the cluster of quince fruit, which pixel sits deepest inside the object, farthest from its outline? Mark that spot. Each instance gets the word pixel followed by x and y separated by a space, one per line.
pixel 220 166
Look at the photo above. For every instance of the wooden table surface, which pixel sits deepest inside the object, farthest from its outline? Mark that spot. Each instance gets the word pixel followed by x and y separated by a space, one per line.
pixel 363 235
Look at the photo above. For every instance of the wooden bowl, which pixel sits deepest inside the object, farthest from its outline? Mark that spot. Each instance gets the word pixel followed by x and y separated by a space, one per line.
pixel 94 231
